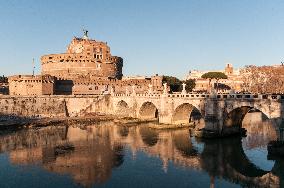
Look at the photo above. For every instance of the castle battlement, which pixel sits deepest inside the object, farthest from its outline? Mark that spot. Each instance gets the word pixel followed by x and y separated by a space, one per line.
pixel 31 78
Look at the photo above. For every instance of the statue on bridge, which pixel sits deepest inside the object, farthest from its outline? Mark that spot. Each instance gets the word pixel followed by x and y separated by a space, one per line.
pixel 150 91
pixel 183 89
pixel 133 90
pixel 165 91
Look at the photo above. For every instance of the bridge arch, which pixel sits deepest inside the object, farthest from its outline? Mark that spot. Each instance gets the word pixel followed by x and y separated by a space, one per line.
pixel 236 116
pixel 148 110
pixel 185 113
pixel 122 108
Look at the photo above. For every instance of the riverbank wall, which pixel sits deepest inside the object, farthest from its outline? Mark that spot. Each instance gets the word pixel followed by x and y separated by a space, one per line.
pixel 47 106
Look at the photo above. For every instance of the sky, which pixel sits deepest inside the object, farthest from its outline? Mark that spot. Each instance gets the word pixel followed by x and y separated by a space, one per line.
pixel 165 37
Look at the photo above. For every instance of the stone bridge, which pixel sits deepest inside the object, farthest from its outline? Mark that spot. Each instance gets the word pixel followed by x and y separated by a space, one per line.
pixel 221 113
pixel 215 112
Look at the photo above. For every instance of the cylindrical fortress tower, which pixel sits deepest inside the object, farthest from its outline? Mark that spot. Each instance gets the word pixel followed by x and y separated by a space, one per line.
pixel 84 58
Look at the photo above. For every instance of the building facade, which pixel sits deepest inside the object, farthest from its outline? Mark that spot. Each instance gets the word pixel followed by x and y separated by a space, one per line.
pixel 31 85
pixel 234 81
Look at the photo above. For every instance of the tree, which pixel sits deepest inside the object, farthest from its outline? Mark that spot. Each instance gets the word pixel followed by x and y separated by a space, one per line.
pixel 214 75
pixel 190 85
pixel 174 83
pixel 263 79
pixel 3 79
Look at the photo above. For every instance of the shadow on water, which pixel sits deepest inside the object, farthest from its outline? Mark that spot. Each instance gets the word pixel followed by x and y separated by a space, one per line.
pixel 227 151
pixel 149 136
pixel 11 122
pixel 183 144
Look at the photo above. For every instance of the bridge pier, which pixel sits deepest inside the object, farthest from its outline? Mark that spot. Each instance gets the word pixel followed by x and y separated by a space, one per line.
pixel 165 112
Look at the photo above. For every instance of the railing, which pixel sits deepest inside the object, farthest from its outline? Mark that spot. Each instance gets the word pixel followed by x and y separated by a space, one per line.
pixel 49 96
pixel 220 96
pixel 216 96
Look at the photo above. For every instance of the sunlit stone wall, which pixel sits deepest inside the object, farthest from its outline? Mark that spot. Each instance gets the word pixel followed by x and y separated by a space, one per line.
pixel 45 106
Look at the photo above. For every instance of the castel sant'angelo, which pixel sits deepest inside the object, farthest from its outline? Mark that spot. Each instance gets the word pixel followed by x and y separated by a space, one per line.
pixel 87 67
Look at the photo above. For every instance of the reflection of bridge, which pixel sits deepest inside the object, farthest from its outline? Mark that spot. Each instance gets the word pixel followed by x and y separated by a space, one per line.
pixel 221 112
pixel 98 149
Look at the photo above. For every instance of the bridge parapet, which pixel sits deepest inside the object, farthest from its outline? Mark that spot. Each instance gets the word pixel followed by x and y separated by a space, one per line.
pixel 206 95
pixel 138 95
pixel 251 96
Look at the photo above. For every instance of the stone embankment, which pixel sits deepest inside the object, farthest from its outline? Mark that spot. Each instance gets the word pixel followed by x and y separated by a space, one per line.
pixel 18 122
pixel 172 126
pixel 21 111
pixel 46 106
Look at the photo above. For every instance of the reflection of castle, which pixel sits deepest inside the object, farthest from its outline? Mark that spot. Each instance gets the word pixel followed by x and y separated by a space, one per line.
pixel 87 67
pixel 91 161
pixel 99 149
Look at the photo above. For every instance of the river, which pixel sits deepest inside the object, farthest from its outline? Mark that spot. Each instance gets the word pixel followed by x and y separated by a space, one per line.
pixel 112 155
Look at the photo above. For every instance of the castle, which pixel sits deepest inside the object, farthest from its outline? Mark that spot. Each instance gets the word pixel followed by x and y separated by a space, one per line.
pixel 87 68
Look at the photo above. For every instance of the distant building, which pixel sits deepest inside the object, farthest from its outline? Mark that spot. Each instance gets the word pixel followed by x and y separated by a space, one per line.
pixel 234 81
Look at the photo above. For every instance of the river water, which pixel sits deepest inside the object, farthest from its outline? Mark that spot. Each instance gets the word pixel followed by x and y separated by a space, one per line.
pixel 112 155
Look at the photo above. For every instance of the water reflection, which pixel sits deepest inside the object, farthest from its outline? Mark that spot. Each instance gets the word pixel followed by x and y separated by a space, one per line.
pixel 260 131
pixel 90 162
pixel 99 149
